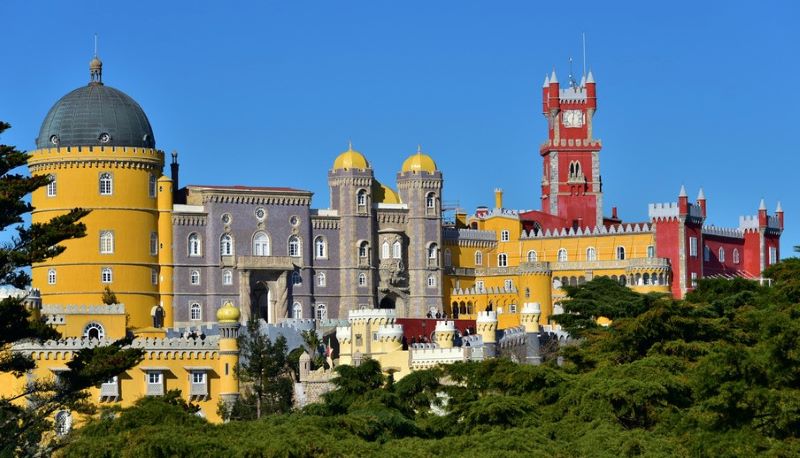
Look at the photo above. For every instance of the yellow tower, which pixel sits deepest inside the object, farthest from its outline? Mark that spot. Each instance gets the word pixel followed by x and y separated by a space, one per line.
pixel 97 145
pixel 228 320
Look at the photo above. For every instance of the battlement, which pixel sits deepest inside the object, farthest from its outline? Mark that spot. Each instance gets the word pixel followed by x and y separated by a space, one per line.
pixel 423 358
pixel 580 142
pixel 671 210
pixel 394 331
pixel 445 326
pixel 723 231
pixel 573 94
pixel 450 233
pixel 147 344
pixel 531 308
pixel 488 316
pixel 55 309
pixel 343 333
pixel 584 232
pixel 513 337
pixel 372 314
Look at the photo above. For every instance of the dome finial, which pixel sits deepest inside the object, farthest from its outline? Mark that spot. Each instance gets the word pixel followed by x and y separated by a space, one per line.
pixel 419 148
pixel 349 145
pixel 95 67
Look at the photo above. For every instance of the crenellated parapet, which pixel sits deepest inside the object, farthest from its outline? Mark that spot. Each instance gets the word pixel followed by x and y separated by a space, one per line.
pixel 390 333
pixel 732 232
pixel 617 229
pixel 432 356
pixel 513 337
pixel 102 309
pixel 529 318
pixel 374 316
pixel 155 348
pixel 344 335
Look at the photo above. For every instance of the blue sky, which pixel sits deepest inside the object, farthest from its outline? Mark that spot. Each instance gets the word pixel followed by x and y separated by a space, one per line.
pixel 268 93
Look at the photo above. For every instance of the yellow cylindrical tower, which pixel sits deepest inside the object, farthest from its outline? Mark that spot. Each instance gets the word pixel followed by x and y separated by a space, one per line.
pixel 228 321
pixel 530 317
pixel 445 333
pixel 165 247
pixel 97 145
pixel 486 325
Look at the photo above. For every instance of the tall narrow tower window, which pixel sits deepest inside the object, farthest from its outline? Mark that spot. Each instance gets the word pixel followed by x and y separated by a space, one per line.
pixel 152 185
pixel 106 242
pixel 226 245
pixel 321 279
pixel 154 276
pixel 51 277
pixel 361 200
pixel 106 184
pixel 51 186
pixel 154 243
pixel 227 277
pixel 620 253
pixel 433 255
pixel 397 250
pixel 294 246
pixel 194 278
pixel 591 254
pixel 532 256
pixel 385 254
pixel 721 254
pixel 736 256
pixel 362 279
pixel 447 258
pixel 430 203
pixel 562 255
pixel 194 244
pixel 320 248
pixel 479 258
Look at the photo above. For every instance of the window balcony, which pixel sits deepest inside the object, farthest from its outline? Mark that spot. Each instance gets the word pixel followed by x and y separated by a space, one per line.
pixel 155 389
pixel 198 389
pixel 109 391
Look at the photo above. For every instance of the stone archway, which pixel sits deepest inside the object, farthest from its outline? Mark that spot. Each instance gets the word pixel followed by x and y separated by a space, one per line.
pixel 389 301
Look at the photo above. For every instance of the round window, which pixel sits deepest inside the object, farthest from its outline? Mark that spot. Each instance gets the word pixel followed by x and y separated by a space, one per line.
pixel 226 218
pixel 294 221
pixel 54 139
pixel 104 138
pixel 260 213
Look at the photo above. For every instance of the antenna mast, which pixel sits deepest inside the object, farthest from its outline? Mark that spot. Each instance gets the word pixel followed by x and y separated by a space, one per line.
pixel 583 35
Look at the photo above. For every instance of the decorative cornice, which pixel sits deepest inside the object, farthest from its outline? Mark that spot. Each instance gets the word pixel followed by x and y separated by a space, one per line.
pixel 189 220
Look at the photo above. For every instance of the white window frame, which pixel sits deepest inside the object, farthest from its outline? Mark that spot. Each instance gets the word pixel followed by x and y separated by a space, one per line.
pixel 320 247
pixel 563 255
pixel 591 254
pixel 195 311
pixel 508 284
pixel 194 277
pixel 651 251
pixel 505 235
pixel 431 281
pixel 297 310
pixel 194 245
pixel 226 245
pixel 721 254
pixel 227 277
pixel 294 246
pixel 106 275
pixel 106 184
pixel 619 253
pixel 693 247
pixel 502 260
pixel 157 380
pixel 101 332
pixel 773 255
pixel 397 250
pixel 153 243
pixel 385 250
pixel 106 242
pixel 51 276
pixel 694 279
pixel 260 244
pixel 198 380
pixel 322 279
pixel 736 258
pixel 51 186
pixel 480 286
pixel 478 258
pixel 321 312
pixel 362 280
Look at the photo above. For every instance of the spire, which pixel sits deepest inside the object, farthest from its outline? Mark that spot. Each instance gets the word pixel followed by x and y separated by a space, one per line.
pixel 349 145
pixel 553 78
pixel 546 81
pixel 419 148
pixel 590 77
pixel 583 80
pixel 701 195
pixel 95 67
pixel 779 209
pixel 683 190
pixel 762 205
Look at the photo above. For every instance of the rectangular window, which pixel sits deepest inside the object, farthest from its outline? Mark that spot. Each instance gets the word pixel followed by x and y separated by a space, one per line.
pixel 154 243
pixel 504 235
pixel 198 377
pixel 479 286
pixel 693 246
pixel 706 253
pixel 508 284
pixel 51 187
pixel 154 378
pixel 651 251
pixel 154 276
pixel 513 308
pixel 694 279
pixel 773 255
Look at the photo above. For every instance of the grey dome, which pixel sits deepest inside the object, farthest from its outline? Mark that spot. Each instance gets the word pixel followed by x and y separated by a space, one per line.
pixel 96 115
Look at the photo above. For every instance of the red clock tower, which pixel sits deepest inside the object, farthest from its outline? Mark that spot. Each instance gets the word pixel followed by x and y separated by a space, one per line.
pixel 571 185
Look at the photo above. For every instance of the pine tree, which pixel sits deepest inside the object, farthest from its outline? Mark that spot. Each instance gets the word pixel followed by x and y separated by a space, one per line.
pixel 24 425
pixel 109 297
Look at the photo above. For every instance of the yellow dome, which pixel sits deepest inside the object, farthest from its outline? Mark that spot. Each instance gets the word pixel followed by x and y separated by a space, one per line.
pixel 384 194
pixel 419 162
pixel 228 314
pixel 350 159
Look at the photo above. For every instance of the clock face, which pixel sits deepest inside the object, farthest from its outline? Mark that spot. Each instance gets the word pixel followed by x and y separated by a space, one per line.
pixel 572 118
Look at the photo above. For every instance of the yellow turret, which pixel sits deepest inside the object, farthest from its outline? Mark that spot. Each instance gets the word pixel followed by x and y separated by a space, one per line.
pixel 165 248
pixel 228 319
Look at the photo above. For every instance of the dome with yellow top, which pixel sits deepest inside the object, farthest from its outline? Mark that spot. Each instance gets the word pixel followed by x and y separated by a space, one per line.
pixel 228 313
pixel 419 162
pixel 350 159
pixel 384 194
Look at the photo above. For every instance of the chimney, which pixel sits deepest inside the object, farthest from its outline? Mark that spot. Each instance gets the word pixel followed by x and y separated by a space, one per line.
pixel 498 198
pixel 174 171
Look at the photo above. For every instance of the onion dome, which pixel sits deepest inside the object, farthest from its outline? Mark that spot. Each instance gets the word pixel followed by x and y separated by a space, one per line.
pixel 228 314
pixel 419 162
pixel 96 115
pixel 350 159
pixel 384 194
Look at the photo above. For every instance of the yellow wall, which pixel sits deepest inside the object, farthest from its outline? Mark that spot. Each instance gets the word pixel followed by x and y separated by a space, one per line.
pixel 130 212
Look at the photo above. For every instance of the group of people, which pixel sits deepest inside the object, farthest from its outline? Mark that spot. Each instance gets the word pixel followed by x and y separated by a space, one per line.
pixel 438 315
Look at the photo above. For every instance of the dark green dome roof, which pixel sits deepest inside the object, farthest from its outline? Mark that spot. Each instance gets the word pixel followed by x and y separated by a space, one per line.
pixel 96 115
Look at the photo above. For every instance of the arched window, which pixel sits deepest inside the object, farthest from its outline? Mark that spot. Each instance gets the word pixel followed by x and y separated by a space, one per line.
pixel 447 258
pixel 431 281
pixel 94 330
pixel 297 279
pixel 51 277
pixel 62 423
pixel 260 244
pixel 152 185
pixel 363 250
pixel 320 248
pixel 194 277
pixel 591 254
pixel 154 243
pixel 478 258
pixel 227 277
pixel 195 312
pixel 385 250
pixel 226 245
pixel 721 254
pixel 297 310
pixel 194 244
pixel 322 279
pixel 362 279
pixel 623 280
pixel 294 246
pixel 430 201
pixel 532 257
pixel 106 184
pixel 106 242
pixel 106 275
pixel 51 186
pixel 651 251
pixel 322 312
pixel 502 260
pixel 361 200
pixel 562 255
pixel 620 253
pixel 433 254
pixel 397 249
pixel 736 256
pixel 706 253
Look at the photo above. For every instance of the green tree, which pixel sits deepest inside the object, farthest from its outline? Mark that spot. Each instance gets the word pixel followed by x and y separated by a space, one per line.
pixel 266 375
pixel 109 297
pixel 23 424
